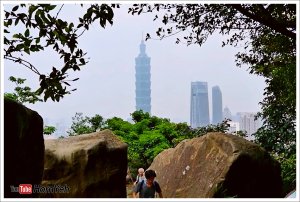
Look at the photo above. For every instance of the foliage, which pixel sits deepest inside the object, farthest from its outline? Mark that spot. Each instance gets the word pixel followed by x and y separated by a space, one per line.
pixel 22 94
pixel 48 130
pixel 241 133
pixel 278 133
pixel 139 115
pixel 96 122
pixel 42 29
pixel 202 20
pixel 221 127
pixel 288 167
pixel 84 125
pixel 150 135
pixel 268 34
pixel 146 137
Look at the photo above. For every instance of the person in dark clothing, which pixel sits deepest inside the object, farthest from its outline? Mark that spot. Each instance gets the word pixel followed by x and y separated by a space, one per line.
pixel 148 187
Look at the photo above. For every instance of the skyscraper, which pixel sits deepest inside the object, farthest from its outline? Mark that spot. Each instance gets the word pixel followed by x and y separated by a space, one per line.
pixel 227 113
pixel 248 123
pixel 199 104
pixel 217 108
pixel 142 80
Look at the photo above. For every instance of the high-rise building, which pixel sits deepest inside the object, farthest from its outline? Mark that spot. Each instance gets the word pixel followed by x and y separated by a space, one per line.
pixel 248 123
pixel 142 80
pixel 217 107
pixel 234 127
pixel 227 113
pixel 199 104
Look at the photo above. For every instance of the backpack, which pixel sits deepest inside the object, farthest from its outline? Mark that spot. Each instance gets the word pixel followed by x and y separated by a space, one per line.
pixel 137 179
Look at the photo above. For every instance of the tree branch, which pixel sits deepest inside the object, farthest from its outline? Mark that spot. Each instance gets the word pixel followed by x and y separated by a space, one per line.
pixel 59 11
pixel 269 22
pixel 23 62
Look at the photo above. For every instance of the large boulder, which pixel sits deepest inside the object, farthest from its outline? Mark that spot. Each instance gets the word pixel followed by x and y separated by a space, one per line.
pixel 218 165
pixel 89 165
pixel 23 148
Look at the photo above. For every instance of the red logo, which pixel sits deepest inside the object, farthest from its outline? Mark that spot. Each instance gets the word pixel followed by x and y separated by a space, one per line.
pixel 25 189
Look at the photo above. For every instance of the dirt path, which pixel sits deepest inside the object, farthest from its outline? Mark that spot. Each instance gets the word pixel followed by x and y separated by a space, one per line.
pixel 129 188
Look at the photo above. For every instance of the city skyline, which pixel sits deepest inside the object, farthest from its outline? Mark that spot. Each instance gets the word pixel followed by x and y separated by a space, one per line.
pixel 106 83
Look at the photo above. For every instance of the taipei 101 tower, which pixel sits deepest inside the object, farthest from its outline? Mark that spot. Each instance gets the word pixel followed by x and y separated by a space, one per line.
pixel 143 80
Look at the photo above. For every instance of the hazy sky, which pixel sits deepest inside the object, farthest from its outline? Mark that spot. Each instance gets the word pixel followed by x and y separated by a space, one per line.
pixel 107 83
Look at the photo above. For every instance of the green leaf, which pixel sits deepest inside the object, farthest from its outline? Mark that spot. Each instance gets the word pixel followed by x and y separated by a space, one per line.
pixel 12 78
pixel 39 20
pixel 39 91
pixel 44 18
pixel 31 9
pixel 15 8
pixel 82 61
pixel 37 40
pixel 71 25
pixel 17 21
pixel 17 36
pixel 7 14
pixel 26 33
pixel 51 7
pixel 62 38
pixel 46 96
pixel 19 47
pixel 27 50
pixel 8 23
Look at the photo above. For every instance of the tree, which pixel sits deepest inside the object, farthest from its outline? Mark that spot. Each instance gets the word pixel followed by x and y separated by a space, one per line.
pixel 22 94
pixel 139 115
pixel 48 130
pixel 25 95
pixel 96 122
pixel 200 21
pixel 241 133
pixel 44 29
pixel 83 125
pixel 268 34
pixel 150 135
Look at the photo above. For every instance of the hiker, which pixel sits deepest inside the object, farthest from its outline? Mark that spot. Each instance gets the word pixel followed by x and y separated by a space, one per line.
pixel 148 187
pixel 140 177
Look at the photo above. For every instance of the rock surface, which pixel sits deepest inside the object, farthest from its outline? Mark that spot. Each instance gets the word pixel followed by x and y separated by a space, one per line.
pixel 217 165
pixel 89 165
pixel 23 148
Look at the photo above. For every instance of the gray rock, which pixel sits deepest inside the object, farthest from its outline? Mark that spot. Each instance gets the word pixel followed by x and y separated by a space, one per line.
pixel 90 165
pixel 218 165
pixel 23 148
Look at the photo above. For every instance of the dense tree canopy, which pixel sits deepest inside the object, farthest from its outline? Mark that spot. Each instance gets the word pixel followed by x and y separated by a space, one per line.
pixel 150 135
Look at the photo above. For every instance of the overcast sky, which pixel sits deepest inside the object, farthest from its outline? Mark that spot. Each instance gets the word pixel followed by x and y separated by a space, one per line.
pixel 107 83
